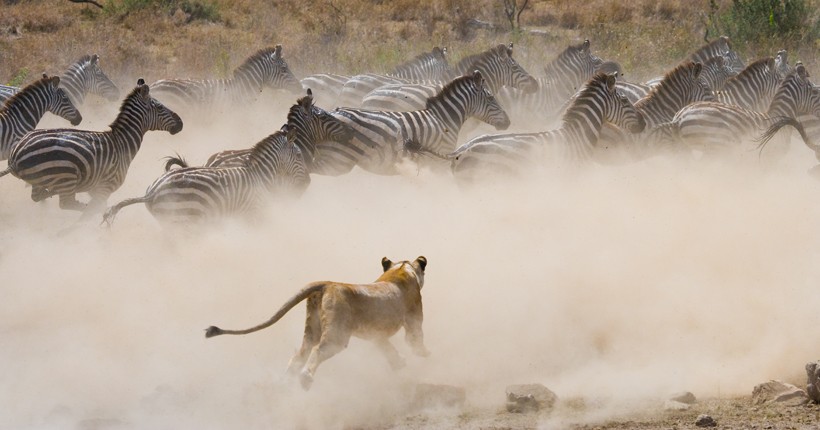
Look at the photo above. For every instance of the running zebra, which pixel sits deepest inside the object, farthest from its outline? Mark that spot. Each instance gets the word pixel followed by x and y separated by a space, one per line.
pixel 378 135
pixel 266 68
pixel 424 68
pixel 719 47
pixel 66 162
pixel 754 87
pixel 575 142
pixel 180 196
pixel 83 77
pixel 564 76
pixel 21 113
pixel 717 127
pixel 310 125
pixel 496 65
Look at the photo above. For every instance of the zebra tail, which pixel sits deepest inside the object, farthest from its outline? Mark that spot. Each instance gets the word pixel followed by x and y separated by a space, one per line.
pixel 293 301
pixel 412 146
pixel 764 138
pixel 111 213
pixel 175 161
pixel 5 172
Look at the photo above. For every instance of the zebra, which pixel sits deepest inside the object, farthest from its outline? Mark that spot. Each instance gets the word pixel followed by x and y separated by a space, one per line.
pixel 65 162
pixel 781 62
pixel 377 135
pixel 715 127
pixel 310 124
pixel 265 68
pixel 575 141
pixel 680 87
pixel 82 77
pixel 426 67
pixel 274 165
pixel 496 65
pixel 21 113
pixel 754 87
pixel 720 47
pixel 568 72
pixel 328 86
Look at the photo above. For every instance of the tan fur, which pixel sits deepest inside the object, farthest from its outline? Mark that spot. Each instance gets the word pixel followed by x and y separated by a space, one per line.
pixel 336 311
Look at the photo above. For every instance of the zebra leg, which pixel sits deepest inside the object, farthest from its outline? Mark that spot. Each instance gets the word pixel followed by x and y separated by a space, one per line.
pixel 95 206
pixel 67 201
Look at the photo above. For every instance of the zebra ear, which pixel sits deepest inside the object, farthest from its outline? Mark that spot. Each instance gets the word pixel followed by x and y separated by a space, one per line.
pixel 698 67
pixel 95 58
pixel 277 51
pixel 477 78
pixel 290 132
pixel 140 82
pixel 585 47
pixel 610 81
pixel 386 263
pixel 55 80
pixel 801 70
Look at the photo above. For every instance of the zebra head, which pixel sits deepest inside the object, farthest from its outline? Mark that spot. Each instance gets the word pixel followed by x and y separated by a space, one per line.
pixel 781 61
pixel 796 95
pixel 716 71
pixel 480 102
pixel 575 66
pixel 58 102
pixel 312 124
pixel 268 68
pixel 94 79
pixel 155 116
pixel 610 68
pixel 678 88
pixel 499 68
pixel 619 110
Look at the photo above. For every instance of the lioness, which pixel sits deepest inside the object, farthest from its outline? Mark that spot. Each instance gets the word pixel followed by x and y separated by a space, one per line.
pixel 335 311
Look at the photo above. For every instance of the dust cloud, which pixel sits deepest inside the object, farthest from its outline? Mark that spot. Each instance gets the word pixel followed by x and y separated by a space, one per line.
pixel 612 284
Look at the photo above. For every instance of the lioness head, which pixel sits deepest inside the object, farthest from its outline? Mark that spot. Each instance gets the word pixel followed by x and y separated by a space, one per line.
pixel 416 267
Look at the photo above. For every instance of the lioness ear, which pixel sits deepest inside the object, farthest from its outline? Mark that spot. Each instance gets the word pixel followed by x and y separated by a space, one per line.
pixel 422 260
pixel 386 263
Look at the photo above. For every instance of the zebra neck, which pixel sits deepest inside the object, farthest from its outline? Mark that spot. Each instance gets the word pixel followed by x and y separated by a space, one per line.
pixel 26 107
pixel 452 113
pixel 73 82
pixel 584 119
pixel 245 84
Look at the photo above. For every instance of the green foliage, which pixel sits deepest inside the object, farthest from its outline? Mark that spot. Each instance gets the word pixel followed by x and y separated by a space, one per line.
pixel 206 10
pixel 760 20
pixel 19 77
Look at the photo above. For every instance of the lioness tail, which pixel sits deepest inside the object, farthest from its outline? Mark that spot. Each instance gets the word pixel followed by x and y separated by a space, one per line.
pixel 293 301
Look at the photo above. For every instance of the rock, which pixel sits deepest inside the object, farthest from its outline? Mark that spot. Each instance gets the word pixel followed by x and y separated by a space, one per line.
pixel 705 421
pixel 778 392
pixel 813 382
pixel 529 398
pixel 674 405
pixel 432 396
pixel 684 397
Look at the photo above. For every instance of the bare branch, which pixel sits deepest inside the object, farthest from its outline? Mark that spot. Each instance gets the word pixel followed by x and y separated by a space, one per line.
pixel 87 1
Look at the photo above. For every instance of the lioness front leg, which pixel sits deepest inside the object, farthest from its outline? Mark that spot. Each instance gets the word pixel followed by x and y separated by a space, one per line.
pixel 392 354
pixel 415 336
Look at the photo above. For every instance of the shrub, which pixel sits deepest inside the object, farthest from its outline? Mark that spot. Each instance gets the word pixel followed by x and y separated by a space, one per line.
pixel 759 20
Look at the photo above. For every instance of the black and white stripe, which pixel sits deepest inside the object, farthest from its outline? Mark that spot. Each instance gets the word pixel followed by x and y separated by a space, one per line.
pixel 378 136
pixel 496 65
pixel 275 166
pixel 574 142
pixel 264 69
pixel 83 77
pixel 65 162
pixel 717 127
pixel 21 113
pixel 754 87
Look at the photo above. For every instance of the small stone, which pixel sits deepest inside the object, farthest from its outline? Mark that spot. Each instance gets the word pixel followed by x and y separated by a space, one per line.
pixel 684 397
pixel 529 398
pixel 813 381
pixel 705 421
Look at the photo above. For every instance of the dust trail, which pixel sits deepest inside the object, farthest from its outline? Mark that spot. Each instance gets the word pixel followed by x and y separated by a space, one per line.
pixel 611 284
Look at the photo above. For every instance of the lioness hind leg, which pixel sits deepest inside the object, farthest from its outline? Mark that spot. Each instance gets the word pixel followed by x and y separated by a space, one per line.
pixel 393 357
pixel 333 340
pixel 313 332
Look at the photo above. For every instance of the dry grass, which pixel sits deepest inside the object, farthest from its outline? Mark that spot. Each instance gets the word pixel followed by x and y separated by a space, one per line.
pixel 647 37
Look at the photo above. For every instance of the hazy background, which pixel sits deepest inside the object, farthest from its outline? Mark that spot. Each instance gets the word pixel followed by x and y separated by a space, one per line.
pixel 615 285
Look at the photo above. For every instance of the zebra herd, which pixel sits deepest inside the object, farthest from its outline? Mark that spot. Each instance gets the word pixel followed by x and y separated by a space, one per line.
pixel 580 108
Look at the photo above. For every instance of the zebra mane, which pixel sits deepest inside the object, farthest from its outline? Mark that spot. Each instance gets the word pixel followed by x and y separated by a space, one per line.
pixel 668 79
pixel 591 87
pixel 752 69
pixel 259 55
pixel 721 44
pixel 570 51
pixel 23 93
pixel 437 55
pixel 467 62
pixel 447 89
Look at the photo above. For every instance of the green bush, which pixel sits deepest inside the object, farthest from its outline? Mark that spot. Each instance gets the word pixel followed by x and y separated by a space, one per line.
pixel 760 20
